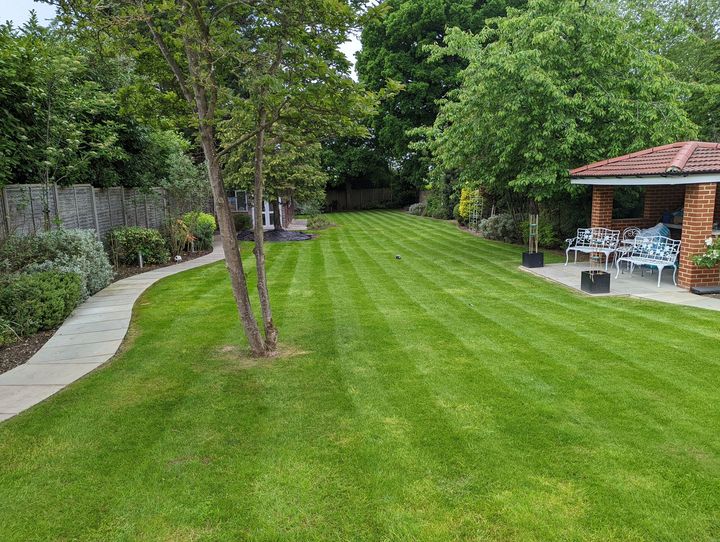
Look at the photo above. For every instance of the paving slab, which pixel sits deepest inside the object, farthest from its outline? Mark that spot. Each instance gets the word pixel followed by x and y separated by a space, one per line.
pixel 88 338
pixel 70 352
pixel 639 285
pixel 104 317
pixel 15 399
pixel 55 374
pixel 80 328
pixel 91 360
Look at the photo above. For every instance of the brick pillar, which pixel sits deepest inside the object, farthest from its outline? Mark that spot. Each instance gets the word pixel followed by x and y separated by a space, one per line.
pixel 697 226
pixel 602 207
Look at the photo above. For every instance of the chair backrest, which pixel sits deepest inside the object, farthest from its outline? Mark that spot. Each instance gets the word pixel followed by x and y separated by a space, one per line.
pixel 597 238
pixel 657 248
pixel 630 233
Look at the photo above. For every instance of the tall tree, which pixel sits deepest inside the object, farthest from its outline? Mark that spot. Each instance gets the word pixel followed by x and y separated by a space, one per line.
pixel 559 84
pixel 394 48
pixel 243 64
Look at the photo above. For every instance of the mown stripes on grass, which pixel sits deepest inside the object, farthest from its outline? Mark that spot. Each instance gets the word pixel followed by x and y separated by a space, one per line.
pixel 445 395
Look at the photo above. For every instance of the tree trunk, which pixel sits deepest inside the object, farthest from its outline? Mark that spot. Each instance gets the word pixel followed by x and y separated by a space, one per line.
pixel 271 332
pixel 233 261
pixel 277 216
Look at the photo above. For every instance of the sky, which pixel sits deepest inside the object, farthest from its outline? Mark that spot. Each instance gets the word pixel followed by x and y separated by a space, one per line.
pixel 18 11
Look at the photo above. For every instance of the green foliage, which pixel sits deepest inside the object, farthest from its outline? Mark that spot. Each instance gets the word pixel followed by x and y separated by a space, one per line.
pixel 178 236
pixel 31 302
pixel 394 52
pixel 65 121
pixel 711 258
pixel 500 227
pixel 202 227
pixel 468 198
pixel 558 85
pixel 7 333
pixel 547 236
pixel 125 244
pixel 419 209
pixel 318 222
pixel 64 250
pixel 242 221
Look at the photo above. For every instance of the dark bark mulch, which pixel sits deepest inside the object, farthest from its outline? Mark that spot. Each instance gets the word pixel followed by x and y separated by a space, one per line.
pixel 18 353
pixel 125 271
pixel 272 236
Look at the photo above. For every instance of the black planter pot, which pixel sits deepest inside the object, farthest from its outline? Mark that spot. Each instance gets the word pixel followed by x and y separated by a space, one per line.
pixel 595 282
pixel 533 259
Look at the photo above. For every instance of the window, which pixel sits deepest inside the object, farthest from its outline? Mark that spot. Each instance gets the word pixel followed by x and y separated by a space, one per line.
pixel 238 201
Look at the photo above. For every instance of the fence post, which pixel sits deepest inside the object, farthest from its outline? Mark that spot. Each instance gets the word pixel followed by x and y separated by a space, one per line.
pixel 57 204
pixel 94 209
pixel 77 209
pixel 6 206
pixel 32 208
pixel 122 200
pixel 147 216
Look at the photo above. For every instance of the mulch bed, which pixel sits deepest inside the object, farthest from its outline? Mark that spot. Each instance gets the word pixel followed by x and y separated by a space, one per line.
pixel 18 353
pixel 274 236
pixel 123 271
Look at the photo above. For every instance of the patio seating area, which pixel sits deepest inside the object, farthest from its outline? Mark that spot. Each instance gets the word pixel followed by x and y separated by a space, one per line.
pixel 641 284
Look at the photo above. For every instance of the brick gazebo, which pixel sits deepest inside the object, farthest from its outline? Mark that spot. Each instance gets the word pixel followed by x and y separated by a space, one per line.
pixel 681 175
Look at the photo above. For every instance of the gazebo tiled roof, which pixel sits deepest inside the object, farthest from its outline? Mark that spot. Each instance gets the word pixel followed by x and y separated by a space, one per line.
pixel 682 158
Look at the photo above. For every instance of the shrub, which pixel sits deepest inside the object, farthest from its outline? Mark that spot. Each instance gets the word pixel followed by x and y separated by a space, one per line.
pixel 500 227
pixel 418 209
pixel 317 222
pixel 457 216
pixel 125 244
pixel 73 251
pixel 467 202
pixel 7 333
pixel 242 222
pixel 547 237
pixel 436 207
pixel 202 227
pixel 30 302
pixel 178 236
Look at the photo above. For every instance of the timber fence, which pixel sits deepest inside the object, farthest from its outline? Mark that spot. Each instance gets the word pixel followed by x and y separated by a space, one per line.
pixel 29 208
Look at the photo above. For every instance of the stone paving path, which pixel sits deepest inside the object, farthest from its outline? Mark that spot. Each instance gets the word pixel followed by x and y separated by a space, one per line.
pixel 88 338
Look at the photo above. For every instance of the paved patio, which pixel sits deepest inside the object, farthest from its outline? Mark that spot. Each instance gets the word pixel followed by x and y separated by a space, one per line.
pixel 644 287
pixel 87 339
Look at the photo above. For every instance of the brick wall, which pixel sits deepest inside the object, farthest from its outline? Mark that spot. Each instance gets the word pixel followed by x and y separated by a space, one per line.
pixel 659 199
pixel 700 208
pixel 602 206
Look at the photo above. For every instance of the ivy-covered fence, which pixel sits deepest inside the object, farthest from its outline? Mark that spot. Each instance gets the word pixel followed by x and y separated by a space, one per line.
pixel 27 208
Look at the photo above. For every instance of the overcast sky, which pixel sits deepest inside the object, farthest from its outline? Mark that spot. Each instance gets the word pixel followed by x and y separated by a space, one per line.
pixel 18 12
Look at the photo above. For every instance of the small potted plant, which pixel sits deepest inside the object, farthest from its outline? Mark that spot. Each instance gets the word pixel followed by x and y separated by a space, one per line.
pixel 709 260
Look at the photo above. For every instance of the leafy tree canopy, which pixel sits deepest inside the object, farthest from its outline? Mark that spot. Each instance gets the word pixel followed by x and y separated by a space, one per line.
pixel 394 40
pixel 68 114
pixel 557 85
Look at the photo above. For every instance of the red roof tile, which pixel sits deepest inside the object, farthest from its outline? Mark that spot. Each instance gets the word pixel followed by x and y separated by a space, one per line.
pixel 682 158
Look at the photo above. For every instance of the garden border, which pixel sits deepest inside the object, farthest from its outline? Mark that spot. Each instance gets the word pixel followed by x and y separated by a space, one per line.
pixel 87 339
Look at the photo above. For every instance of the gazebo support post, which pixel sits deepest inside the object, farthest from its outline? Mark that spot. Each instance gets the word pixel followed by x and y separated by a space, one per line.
pixel 697 226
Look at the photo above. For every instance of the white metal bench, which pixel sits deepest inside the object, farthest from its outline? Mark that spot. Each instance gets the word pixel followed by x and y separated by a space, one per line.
pixel 593 240
pixel 656 251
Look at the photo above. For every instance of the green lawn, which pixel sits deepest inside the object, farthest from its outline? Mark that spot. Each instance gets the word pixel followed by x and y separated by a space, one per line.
pixel 443 396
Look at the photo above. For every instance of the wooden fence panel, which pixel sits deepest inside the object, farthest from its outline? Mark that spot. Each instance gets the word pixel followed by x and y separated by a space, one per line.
pixel 25 209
